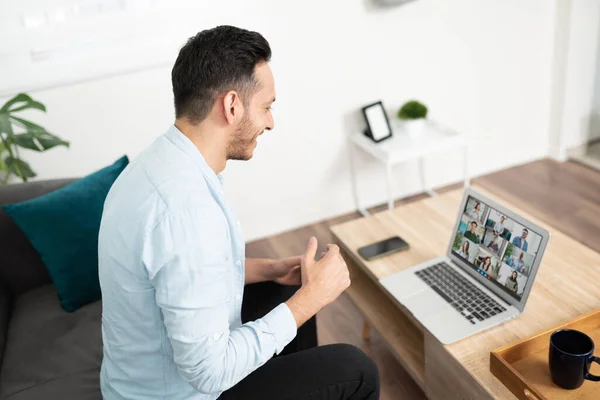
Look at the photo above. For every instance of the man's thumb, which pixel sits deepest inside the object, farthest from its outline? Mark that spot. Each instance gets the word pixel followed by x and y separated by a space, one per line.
pixel 311 250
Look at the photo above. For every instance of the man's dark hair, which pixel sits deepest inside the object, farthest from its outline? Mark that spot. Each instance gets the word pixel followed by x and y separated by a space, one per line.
pixel 473 222
pixel 213 62
pixel 525 230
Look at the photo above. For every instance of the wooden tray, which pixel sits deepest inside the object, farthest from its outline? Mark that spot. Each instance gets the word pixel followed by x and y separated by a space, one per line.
pixel 522 366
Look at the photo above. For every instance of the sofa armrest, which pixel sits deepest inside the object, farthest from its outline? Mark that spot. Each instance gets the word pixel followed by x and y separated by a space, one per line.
pixel 21 268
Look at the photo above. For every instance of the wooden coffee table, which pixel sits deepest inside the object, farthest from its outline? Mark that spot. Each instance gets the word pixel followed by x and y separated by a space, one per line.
pixel 567 285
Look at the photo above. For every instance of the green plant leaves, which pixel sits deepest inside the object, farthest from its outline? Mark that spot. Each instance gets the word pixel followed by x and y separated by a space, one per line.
pixel 2 150
pixel 5 125
pixel 34 137
pixel 19 167
pixel 38 142
pixel 30 126
pixel 4 171
pixel 412 110
pixel 22 102
pixel 48 141
pixel 45 139
pixel 25 140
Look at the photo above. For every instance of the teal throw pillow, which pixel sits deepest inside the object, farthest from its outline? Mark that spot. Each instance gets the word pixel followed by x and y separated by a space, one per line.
pixel 63 227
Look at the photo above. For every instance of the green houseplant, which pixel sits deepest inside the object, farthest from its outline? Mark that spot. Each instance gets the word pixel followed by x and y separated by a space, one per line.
pixel 413 115
pixel 457 241
pixel 509 250
pixel 18 133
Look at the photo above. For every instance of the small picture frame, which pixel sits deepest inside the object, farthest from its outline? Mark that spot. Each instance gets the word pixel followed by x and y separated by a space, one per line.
pixel 378 124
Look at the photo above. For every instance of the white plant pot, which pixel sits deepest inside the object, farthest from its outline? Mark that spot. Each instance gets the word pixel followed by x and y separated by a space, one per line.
pixel 414 127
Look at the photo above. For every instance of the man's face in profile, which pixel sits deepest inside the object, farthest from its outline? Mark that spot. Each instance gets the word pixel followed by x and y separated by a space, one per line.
pixel 473 227
pixel 257 116
pixel 524 235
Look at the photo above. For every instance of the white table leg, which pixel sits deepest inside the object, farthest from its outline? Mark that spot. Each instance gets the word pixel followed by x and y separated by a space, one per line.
pixel 466 166
pixel 389 186
pixel 354 180
pixel 426 188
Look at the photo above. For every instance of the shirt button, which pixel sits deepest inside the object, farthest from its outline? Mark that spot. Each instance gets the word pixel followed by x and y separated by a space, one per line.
pixel 237 296
pixel 216 336
pixel 238 263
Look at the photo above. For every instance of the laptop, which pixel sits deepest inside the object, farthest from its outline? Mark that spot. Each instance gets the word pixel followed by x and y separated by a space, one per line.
pixel 483 280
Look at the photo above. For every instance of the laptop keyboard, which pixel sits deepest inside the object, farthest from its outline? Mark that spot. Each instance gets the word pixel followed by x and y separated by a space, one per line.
pixel 466 298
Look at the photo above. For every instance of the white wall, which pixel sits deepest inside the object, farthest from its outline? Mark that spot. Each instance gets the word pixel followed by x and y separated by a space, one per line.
pixel 481 67
pixel 581 109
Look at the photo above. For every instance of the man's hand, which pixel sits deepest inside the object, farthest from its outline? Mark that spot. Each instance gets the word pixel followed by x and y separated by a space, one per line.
pixel 322 282
pixel 327 278
pixel 287 271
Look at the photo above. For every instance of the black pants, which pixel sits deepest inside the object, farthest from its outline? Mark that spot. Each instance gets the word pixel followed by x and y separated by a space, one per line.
pixel 303 371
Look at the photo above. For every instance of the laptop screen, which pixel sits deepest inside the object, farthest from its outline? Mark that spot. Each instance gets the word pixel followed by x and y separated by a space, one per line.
pixel 496 247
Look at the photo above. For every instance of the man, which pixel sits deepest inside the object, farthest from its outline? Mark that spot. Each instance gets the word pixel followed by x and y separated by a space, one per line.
pixel 521 241
pixel 499 227
pixel 518 262
pixel 493 245
pixel 177 322
pixel 471 233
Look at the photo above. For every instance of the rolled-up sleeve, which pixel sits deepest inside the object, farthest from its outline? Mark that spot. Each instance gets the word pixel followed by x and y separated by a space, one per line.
pixel 188 264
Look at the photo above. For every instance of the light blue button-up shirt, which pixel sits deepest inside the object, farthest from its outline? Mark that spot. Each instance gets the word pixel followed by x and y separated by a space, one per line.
pixel 171 267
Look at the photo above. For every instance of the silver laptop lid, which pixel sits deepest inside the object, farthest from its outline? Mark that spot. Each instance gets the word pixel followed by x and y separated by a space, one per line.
pixel 497 247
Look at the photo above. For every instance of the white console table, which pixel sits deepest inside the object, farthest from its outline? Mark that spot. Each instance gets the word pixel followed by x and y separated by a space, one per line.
pixel 435 138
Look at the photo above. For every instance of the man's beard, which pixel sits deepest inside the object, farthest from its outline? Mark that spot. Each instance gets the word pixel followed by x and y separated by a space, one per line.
pixel 242 144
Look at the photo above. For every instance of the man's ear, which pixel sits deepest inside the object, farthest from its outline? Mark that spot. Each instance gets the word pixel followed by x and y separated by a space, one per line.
pixel 233 108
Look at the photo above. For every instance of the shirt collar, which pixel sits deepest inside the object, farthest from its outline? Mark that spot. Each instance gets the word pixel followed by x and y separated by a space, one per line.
pixel 185 144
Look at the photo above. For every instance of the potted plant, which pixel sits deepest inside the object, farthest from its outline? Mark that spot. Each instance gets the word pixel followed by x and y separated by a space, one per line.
pixel 16 133
pixel 457 241
pixel 413 115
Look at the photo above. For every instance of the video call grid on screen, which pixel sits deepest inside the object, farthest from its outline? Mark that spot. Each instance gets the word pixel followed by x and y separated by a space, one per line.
pixel 499 248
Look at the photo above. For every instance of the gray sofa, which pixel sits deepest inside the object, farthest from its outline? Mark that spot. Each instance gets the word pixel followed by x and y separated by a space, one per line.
pixel 45 352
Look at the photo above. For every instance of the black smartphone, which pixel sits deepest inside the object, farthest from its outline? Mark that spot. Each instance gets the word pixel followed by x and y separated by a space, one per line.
pixel 383 248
